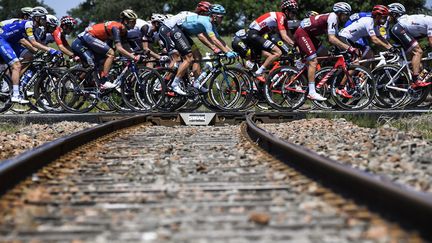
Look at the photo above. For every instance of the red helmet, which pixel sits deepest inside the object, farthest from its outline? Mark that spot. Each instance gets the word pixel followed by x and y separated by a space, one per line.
pixel 203 7
pixel 289 5
pixel 380 10
pixel 68 20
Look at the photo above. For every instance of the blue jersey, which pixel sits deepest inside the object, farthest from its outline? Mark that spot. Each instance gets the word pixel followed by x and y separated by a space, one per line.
pixel 357 16
pixel 198 24
pixel 16 31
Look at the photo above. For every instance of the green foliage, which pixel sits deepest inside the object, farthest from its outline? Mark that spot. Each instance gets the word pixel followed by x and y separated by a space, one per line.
pixel 11 8
pixel 240 13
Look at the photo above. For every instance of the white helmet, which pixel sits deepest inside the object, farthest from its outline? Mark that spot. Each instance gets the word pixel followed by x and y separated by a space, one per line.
pixel 342 7
pixel 157 18
pixel 52 21
pixel 27 10
pixel 39 11
pixel 397 8
pixel 128 14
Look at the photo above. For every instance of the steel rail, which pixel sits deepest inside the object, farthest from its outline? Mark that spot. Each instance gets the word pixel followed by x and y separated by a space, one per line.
pixel 399 203
pixel 15 170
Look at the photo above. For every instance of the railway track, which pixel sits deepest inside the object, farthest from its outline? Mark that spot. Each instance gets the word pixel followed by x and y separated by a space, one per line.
pixel 140 182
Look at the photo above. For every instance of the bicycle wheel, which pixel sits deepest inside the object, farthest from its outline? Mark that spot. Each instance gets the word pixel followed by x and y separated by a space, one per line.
pixel 284 91
pixel 224 91
pixel 324 90
pixel 5 93
pixel 170 100
pixel 394 94
pixel 362 87
pixel 77 91
pixel 45 92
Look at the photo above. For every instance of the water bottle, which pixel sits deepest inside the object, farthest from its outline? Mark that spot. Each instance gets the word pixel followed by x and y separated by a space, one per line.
pixel 250 65
pixel 26 77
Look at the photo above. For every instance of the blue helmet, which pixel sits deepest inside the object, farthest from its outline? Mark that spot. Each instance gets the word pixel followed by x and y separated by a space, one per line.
pixel 217 9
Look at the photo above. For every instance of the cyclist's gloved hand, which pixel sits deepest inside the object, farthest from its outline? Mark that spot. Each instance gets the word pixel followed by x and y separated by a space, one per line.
pixel 232 54
pixel 54 52
pixel 354 51
pixel 76 58
pixel 393 50
pixel 164 58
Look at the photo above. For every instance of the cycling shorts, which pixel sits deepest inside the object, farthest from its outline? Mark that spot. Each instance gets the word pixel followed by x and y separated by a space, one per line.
pixel 94 44
pixel 183 43
pixel 400 35
pixel 165 33
pixel 306 43
pixel 9 52
pixel 277 40
pixel 258 42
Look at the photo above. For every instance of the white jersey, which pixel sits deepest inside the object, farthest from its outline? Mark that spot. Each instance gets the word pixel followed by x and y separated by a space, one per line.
pixel 178 19
pixel 418 25
pixel 361 28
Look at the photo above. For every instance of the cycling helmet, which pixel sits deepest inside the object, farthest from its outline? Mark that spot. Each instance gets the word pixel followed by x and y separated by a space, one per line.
pixel 289 5
pixel 217 9
pixel 128 14
pixel 380 10
pixel 52 21
pixel 311 13
pixel 397 9
pixel 342 7
pixel 203 7
pixel 157 17
pixel 27 10
pixel 39 12
pixel 168 16
pixel 68 20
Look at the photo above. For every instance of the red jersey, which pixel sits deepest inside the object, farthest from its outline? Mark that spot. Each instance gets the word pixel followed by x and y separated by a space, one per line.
pixel 272 21
pixel 59 37
pixel 104 31
pixel 321 24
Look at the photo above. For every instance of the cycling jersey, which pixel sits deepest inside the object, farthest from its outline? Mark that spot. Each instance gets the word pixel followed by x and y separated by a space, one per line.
pixel 178 18
pixel 418 25
pixel 60 37
pixel 272 21
pixel 9 21
pixel 361 28
pixel 198 24
pixel 320 24
pixel 357 16
pixel 18 30
pixel 108 31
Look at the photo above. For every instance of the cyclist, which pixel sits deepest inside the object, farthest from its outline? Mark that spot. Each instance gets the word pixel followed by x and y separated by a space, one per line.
pixel 269 23
pixel 146 33
pixel 95 41
pixel 67 25
pixel 11 38
pixel 406 31
pixel 197 25
pixel 365 27
pixel 203 8
pixel 305 37
pixel 24 15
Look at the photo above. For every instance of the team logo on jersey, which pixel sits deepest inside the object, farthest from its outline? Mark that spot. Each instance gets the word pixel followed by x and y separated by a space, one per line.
pixel 177 35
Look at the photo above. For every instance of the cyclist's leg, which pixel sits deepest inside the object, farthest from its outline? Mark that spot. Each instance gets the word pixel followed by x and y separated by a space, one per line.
pixel 184 47
pixel 256 39
pixel 100 48
pixel 277 40
pixel 83 52
pixel 410 45
pixel 10 57
pixel 307 47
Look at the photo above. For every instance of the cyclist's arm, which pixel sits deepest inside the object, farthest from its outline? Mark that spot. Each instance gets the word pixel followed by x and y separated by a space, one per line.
pixel 338 43
pixel 380 42
pixel 28 45
pixel 31 38
pixel 65 50
pixel 287 37
pixel 147 49
pixel 116 32
pixel 203 38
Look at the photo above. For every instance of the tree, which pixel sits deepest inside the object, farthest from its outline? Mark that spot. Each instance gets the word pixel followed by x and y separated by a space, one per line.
pixel 240 13
pixel 11 8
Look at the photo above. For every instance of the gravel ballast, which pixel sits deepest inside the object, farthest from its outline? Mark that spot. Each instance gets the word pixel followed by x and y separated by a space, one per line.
pixel 17 139
pixel 403 157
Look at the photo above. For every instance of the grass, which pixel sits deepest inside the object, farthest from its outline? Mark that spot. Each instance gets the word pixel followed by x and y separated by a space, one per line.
pixel 362 121
pixel 9 128
pixel 418 124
